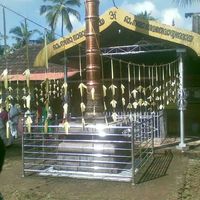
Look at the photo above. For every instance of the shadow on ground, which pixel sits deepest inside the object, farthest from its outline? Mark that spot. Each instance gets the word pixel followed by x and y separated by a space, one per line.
pixel 158 167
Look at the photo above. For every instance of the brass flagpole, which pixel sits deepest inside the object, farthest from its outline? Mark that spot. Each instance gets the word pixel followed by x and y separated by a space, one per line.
pixel 93 69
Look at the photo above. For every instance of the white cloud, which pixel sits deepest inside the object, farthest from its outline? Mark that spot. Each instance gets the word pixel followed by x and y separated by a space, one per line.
pixel 139 7
pixel 75 23
pixel 170 14
pixel 158 11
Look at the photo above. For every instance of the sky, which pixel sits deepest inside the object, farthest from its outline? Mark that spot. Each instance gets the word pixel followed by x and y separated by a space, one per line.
pixel 164 11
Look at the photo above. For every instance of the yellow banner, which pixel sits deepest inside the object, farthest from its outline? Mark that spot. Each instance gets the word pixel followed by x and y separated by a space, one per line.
pixel 147 27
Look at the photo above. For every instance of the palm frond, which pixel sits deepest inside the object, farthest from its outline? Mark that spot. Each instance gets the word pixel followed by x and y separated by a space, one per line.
pixel 74 13
pixel 44 9
pixel 186 2
pixel 73 3
pixel 67 22
pixel 56 10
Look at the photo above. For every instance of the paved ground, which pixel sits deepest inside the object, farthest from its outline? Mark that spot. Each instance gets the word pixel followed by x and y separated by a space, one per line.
pixel 178 179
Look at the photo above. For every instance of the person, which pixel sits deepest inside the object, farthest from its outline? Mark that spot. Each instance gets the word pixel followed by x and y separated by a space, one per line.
pixel 2 154
pixel 13 116
pixel 3 120
pixel 2 157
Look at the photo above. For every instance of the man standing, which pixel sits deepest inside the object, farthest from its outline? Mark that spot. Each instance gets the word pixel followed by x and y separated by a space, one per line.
pixel 13 116
pixel 3 120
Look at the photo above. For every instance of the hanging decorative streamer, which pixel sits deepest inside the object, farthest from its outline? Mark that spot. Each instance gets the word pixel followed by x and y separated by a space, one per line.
pixel 46 49
pixel 114 116
pixel 46 105
pixel 28 123
pixel 17 89
pixel 5 72
pixel 66 127
pixel 123 100
pixel 27 74
pixel 82 87
pixel 150 93
pixel 104 89
pixel 4 76
pixel 7 129
pixel 129 106
pixel 82 105
pixel 134 78
pixel 140 89
pixel 27 99
pixel 144 81
pixel 152 80
pixel 92 94
pixel 144 90
pixel 65 110
pixel 112 72
pixel 139 74
pixel 104 105
pixel 113 88
pixel 122 89
pixel 64 86
pixel 134 92
pixel 163 86
pixel 113 103
pixel 46 126
pixel 161 102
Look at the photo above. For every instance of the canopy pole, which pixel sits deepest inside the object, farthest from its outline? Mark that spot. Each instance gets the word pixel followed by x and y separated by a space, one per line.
pixel 182 103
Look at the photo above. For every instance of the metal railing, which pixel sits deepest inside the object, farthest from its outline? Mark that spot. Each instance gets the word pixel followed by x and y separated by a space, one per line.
pixel 110 152
pixel 158 122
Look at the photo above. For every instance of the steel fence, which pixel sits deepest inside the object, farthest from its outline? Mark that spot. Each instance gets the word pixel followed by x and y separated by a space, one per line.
pixel 116 151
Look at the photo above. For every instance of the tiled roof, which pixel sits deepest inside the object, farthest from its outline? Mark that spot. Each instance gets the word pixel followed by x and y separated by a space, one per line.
pixel 17 63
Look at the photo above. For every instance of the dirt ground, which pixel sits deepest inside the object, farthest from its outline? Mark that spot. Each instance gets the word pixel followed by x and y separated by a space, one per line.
pixel 179 180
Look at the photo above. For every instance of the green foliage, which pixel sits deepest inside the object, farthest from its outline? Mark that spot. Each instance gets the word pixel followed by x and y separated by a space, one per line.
pixel 63 9
pixel 186 2
pixel 145 15
pixel 50 37
pixel 22 35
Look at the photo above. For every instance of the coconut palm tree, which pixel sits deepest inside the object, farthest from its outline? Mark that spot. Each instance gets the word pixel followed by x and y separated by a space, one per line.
pixel 50 37
pixel 21 34
pixel 114 4
pixel 145 15
pixel 63 9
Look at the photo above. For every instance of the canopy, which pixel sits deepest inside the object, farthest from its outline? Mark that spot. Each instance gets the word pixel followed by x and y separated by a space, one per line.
pixel 148 28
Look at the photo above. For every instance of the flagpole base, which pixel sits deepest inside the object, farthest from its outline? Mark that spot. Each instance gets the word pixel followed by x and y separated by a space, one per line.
pixel 182 146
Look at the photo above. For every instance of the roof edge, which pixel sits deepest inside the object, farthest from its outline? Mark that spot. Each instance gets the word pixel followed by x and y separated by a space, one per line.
pixel 129 21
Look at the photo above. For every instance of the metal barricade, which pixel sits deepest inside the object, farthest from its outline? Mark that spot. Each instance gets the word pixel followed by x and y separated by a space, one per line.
pixel 97 151
pixel 144 128
pixel 110 152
